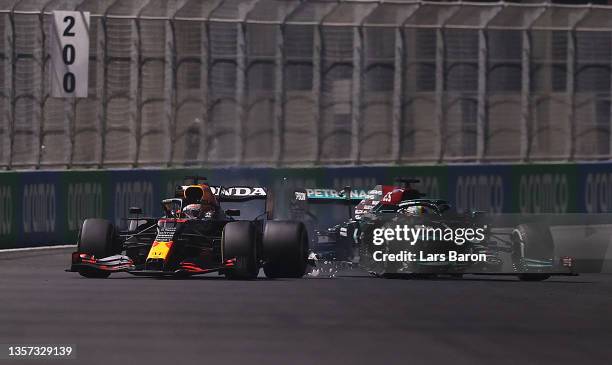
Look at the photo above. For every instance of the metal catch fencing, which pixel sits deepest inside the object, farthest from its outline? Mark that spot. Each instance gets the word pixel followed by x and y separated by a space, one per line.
pixel 290 82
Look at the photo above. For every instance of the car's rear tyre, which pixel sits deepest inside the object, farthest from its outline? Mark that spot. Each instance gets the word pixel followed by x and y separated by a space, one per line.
pixel 240 243
pixel 285 248
pixel 532 241
pixel 97 238
pixel 533 277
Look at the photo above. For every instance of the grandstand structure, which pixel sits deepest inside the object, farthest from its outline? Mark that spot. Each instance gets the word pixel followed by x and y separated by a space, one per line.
pixel 309 83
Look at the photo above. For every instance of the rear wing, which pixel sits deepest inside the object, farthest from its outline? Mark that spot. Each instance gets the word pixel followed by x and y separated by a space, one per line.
pixel 346 196
pixel 239 193
pixel 225 193
pixel 360 201
pixel 331 196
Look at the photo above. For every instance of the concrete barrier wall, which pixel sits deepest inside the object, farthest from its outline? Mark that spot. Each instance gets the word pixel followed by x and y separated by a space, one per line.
pixel 48 207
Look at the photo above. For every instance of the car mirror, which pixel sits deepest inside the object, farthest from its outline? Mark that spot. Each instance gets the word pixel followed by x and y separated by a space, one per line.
pixel 233 212
pixel 478 214
pixel 135 210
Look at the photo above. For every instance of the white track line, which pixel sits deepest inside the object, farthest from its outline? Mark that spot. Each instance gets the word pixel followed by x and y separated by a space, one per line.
pixel 35 248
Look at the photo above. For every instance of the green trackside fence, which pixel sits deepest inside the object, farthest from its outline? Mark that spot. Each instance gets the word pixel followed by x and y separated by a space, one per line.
pixel 48 207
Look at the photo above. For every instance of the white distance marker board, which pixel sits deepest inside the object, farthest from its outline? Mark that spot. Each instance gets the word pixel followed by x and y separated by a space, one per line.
pixel 69 54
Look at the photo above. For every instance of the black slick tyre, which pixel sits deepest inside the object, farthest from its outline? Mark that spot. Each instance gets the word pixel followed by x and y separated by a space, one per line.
pixel 97 238
pixel 285 248
pixel 531 241
pixel 239 243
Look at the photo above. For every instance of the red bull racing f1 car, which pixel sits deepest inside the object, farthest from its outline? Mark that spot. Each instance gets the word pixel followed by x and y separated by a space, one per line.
pixel 195 236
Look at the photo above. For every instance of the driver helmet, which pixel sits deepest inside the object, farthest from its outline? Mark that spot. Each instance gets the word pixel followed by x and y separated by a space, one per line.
pixel 193 211
pixel 417 210
pixel 198 211
pixel 200 202
pixel 208 202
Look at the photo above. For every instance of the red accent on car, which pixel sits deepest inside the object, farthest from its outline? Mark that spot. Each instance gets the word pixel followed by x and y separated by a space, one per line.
pixel 188 266
pixel 83 257
pixel 391 195
pixel 567 261
pixel 171 220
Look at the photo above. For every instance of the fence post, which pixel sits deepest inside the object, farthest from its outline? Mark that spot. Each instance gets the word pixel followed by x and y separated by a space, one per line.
pixel 170 91
pixel 440 92
pixel 526 107
pixel 571 82
pixel 71 125
pixel 41 97
pixel 205 87
pixel 279 95
pixel 11 90
pixel 102 60
pixel 316 89
pixel 525 138
pixel 241 70
pixel 398 82
pixel 439 95
pixel 481 114
pixel 356 97
pixel 136 86
pixel 482 117
pixel 609 126
pixel 571 95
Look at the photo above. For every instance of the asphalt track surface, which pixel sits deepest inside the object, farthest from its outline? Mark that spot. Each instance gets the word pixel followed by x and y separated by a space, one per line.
pixel 352 319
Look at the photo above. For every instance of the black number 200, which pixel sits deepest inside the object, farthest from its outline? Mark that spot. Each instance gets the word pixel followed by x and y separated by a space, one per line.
pixel 69 55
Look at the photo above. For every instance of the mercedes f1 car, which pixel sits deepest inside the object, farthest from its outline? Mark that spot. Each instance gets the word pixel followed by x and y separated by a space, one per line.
pixel 194 236
pixel 396 212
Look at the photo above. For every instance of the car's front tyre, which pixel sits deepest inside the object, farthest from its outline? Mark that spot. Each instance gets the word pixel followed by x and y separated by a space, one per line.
pixel 240 243
pixel 531 242
pixel 97 238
